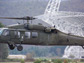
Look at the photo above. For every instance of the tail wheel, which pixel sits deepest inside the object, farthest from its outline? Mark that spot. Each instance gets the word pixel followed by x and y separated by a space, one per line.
pixel 19 48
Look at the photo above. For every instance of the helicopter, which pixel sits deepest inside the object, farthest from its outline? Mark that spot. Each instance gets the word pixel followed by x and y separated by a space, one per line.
pixel 35 35
pixel 32 34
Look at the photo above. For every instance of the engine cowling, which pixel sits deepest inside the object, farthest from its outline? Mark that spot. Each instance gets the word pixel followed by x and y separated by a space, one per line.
pixel 35 27
pixel 47 30
pixel 38 27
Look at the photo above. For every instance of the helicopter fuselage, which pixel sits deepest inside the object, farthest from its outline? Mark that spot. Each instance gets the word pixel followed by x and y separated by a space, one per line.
pixel 38 37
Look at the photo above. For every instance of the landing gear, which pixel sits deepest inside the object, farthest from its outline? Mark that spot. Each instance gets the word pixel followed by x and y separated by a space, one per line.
pixel 11 46
pixel 19 48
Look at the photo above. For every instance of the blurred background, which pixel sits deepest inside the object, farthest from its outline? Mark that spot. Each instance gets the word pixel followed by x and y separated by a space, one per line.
pixel 21 8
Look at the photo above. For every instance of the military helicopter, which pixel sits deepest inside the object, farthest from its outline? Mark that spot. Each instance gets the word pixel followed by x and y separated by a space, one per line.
pixel 35 34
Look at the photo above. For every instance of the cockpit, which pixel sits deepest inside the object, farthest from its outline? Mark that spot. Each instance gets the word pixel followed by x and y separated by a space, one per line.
pixel 9 33
pixel 2 30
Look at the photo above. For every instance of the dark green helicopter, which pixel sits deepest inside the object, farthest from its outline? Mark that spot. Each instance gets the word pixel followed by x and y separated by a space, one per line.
pixel 35 35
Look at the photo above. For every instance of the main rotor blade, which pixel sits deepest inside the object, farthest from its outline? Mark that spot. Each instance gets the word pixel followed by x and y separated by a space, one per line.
pixel 22 18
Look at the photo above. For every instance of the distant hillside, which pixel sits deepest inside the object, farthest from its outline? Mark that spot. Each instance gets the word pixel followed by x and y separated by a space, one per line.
pixel 41 51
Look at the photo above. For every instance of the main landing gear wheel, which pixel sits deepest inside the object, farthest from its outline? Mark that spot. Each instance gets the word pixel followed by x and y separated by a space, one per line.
pixel 19 48
pixel 12 47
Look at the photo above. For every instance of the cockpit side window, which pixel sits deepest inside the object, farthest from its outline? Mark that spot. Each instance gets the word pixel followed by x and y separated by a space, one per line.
pixel 34 34
pixel 5 33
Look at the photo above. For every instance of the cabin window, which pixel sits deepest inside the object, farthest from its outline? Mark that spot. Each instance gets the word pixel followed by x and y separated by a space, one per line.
pixel 34 34
pixel 5 33
pixel 18 33
pixel 15 33
pixel 27 34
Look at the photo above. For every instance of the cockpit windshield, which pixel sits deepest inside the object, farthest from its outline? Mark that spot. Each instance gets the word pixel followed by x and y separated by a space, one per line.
pixel 1 30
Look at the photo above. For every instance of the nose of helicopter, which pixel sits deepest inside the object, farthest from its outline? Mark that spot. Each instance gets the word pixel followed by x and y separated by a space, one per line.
pixel 2 38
